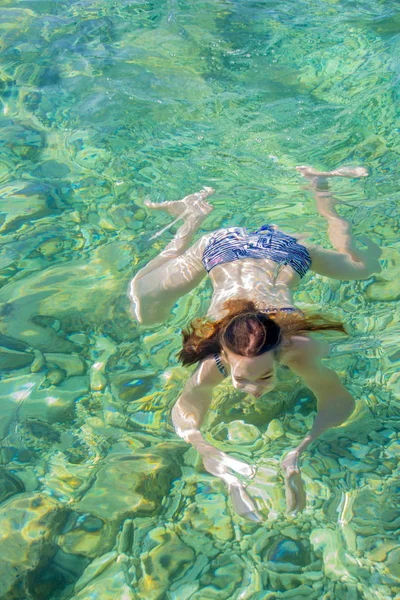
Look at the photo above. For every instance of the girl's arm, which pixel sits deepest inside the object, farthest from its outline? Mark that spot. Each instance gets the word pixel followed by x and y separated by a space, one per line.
pixel 188 416
pixel 191 408
pixel 335 404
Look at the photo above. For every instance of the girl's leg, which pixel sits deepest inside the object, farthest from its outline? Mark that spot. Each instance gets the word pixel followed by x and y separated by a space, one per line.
pixel 339 230
pixel 192 210
pixel 176 270
pixel 349 262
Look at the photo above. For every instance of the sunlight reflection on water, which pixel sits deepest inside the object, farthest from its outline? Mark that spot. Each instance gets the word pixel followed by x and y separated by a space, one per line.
pixel 106 104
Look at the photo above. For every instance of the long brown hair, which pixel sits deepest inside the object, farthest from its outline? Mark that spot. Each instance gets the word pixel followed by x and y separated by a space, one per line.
pixel 247 330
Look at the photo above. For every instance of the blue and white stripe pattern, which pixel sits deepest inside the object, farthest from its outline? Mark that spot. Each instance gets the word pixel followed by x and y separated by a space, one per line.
pixel 235 243
pixel 220 366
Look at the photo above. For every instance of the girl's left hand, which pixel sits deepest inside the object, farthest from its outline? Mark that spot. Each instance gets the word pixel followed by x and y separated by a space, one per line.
pixel 294 486
pixel 290 464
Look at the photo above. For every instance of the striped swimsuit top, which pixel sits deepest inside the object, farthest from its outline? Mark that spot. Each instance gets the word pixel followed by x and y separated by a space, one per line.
pixel 235 243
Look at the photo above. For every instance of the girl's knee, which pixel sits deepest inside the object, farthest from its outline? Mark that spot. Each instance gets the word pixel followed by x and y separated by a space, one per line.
pixel 147 314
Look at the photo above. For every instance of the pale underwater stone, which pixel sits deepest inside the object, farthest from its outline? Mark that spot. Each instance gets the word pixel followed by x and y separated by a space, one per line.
pixel 392 563
pixel 55 404
pixel 287 555
pixel 25 201
pixel 384 290
pixel 222 578
pixel 54 377
pixel 212 516
pixel 104 349
pixel 337 564
pixel 110 582
pixel 64 480
pixel 79 338
pixel 10 484
pixel 168 561
pixel 38 363
pixel 129 484
pixel 86 535
pixel 274 430
pixel 381 551
pixel 105 222
pixel 12 359
pixel 73 292
pixel 26 395
pixel 72 364
pixel 96 567
pixel 240 432
pixel 28 524
pixel 98 381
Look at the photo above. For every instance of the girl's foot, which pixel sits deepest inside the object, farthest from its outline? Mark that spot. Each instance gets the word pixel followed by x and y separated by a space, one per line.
pixel 351 172
pixel 192 209
pixel 194 203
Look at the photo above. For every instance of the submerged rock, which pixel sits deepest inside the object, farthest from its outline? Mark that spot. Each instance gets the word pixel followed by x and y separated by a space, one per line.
pixel 9 484
pixel 287 555
pixel 38 363
pixel 384 290
pixel 239 432
pixel 64 480
pixel 32 307
pixel 130 485
pixel 168 561
pixel 12 359
pixel 42 430
pixel 21 141
pixel 98 381
pixel 208 516
pixel 393 562
pixel 54 376
pixel 275 430
pixel 105 577
pixel 223 576
pixel 28 525
pixel 51 169
pixel 13 344
pixel 25 201
pixel 86 535
pixel 25 397
pixel 131 385
pixel 71 364
pixel 258 412
pixel 54 404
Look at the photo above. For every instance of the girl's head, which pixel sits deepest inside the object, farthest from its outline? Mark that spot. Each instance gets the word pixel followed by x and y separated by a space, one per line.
pixel 248 339
pixel 247 342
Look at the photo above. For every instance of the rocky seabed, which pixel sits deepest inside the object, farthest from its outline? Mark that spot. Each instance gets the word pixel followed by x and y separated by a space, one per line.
pixel 102 105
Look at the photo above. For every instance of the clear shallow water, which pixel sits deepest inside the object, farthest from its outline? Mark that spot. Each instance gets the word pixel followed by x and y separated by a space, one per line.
pixel 105 104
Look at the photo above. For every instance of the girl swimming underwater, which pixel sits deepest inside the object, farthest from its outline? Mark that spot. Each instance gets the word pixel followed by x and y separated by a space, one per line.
pixel 252 325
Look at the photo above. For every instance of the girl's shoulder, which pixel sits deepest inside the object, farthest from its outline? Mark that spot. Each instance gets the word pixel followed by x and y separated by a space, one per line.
pixel 302 348
pixel 208 373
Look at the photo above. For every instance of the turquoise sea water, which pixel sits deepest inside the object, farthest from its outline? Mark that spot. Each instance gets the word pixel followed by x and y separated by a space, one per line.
pixel 105 104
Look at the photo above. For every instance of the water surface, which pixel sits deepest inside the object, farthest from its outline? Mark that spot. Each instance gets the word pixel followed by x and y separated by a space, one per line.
pixel 105 104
